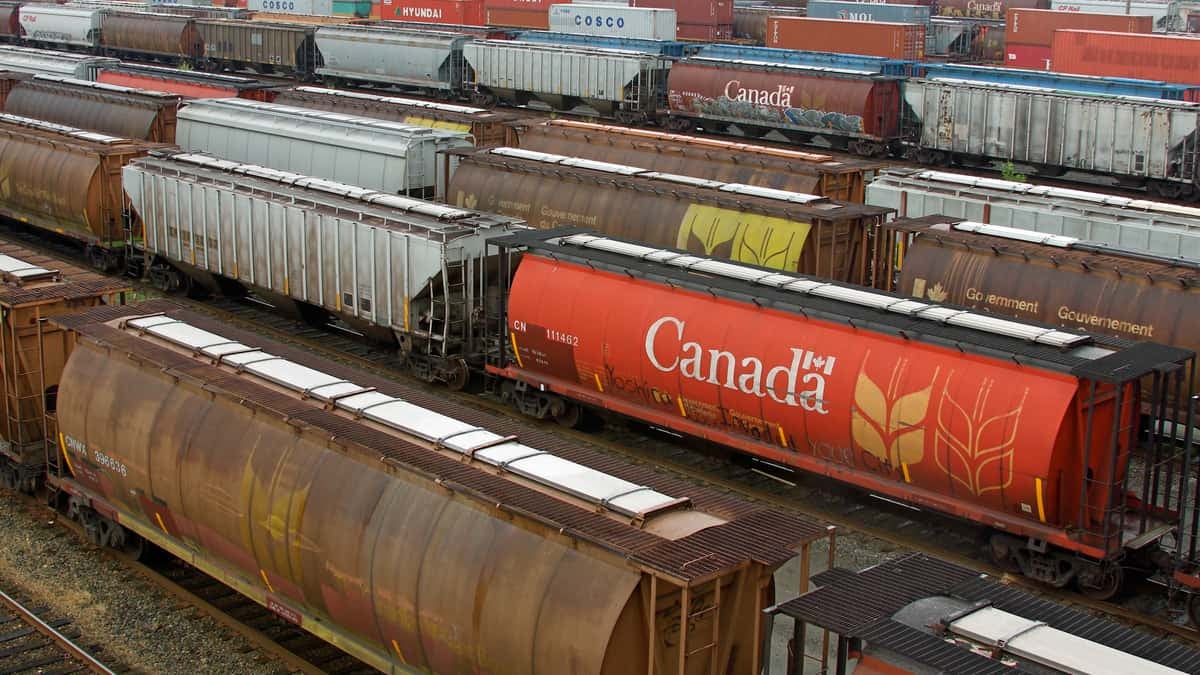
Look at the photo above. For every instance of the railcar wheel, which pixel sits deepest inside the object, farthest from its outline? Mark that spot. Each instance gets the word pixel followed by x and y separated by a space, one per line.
pixel 1002 554
pixel 569 415
pixel 1101 582
pixel 458 375
pixel 679 124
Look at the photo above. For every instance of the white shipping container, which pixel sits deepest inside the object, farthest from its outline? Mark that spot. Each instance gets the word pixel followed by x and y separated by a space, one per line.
pixel 1158 10
pixel 611 20
pixel 301 7
pixel 61 25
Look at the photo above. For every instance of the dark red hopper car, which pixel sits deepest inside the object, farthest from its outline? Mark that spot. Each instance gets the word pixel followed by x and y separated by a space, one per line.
pixel 772 96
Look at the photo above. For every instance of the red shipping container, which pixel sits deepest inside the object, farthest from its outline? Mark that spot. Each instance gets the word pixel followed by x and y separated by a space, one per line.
pixel 517 18
pixel 459 12
pixel 984 9
pixel 1027 56
pixel 892 40
pixel 702 32
pixel 703 12
pixel 1169 58
pixel 525 5
pixel 1037 26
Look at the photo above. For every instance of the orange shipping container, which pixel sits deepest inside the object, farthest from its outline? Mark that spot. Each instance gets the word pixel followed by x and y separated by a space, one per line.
pixel 1168 58
pixel 517 18
pixel 1035 27
pixel 892 40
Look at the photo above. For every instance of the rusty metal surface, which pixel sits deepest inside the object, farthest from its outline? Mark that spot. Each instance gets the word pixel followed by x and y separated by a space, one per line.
pixel 490 128
pixel 1125 295
pixel 705 158
pixel 439 563
pixel 128 114
pixel 64 182
pixel 827 239
pixel 270 46
pixel 10 24
pixel 151 33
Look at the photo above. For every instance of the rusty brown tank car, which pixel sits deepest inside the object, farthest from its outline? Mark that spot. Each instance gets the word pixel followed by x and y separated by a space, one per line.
pixel 383 518
pixel 490 128
pixel 35 287
pixel 750 224
pixel 726 161
pixel 8 80
pixel 168 35
pixel 66 180
pixel 111 109
pixel 1054 279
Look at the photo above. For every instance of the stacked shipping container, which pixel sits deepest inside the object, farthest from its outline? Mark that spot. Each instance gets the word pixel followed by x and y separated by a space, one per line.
pixel 893 40
pixel 1030 32
pixel 1170 58
pixel 457 12
pixel 701 20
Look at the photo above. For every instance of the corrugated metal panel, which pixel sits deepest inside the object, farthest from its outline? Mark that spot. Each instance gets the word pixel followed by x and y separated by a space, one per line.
pixel 929 650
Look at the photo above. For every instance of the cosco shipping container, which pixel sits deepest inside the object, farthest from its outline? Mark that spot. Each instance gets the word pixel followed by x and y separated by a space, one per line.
pixel 893 40
pixel 299 7
pixel 611 20
pixel 868 11
pixel 1170 58
pixel 1030 32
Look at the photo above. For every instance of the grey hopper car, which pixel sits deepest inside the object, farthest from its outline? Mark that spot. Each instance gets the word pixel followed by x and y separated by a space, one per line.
pixel 425 60
pixel 1138 141
pixel 63 64
pixel 370 153
pixel 629 86
pixel 1168 230
pixel 395 268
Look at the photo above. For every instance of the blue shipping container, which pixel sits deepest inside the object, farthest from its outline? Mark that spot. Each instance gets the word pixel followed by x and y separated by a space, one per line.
pixel 868 11
pixel 660 47
pixel 875 64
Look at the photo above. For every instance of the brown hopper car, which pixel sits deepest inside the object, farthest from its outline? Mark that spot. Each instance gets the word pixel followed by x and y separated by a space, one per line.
pixel 67 180
pixel 35 287
pixel 1058 280
pixel 143 33
pixel 381 517
pixel 111 109
pixel 750 224
pixel 490 128
pixel 726 161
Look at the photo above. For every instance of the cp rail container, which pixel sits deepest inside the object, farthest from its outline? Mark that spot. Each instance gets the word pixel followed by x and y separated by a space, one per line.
pixel 1030 32
pixel 370 153
pixel 1167 230
pixel 260 46
pixel 848 109
pixel 489 128
pixel 412 532
pixel 1053 279
pixel 957 411
pixel 66 180
pixel 708 158
pixel 401 270
pixel 1159 10
pixel 757 225
pixel 872 38
pixel 54 25
pixel 1172 58
pixel 144 34
pixel 10 20
pixel 34 288
pixel 1143 141
pixel 616 83
pixel 613 20
pixel 185 83
pixel 111 109
pixel 425 60
pixel 63 64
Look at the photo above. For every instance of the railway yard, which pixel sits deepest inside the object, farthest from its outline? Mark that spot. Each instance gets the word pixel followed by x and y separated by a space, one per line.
pixel 341 337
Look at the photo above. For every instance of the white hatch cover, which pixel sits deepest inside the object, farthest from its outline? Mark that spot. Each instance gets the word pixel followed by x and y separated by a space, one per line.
pixel 394 100
pixel 503 452
pixel 1050 647
pixel 1016 233
pixel 855 296
pixel 61 129
pixel 20 270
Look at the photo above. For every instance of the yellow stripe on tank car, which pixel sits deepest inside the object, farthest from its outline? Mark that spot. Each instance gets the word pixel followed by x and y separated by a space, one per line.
pixel 782 436
pixel 904 468
pixel 161 525
pixel 512 337
pixel 599 385
pixel 266 580
pixel 682 410
pixel 767 241
pixel 1041 499
pixel 399 654
pixel 62 443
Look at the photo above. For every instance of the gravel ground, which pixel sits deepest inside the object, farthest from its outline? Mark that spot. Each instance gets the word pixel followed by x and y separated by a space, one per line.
pixel 138 624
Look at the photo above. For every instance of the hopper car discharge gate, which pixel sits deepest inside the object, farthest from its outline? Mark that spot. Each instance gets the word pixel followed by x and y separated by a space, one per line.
pixel 1133 504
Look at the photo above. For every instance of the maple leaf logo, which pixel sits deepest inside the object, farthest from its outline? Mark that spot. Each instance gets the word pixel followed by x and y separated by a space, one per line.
pixel 470 201
pixel 938 293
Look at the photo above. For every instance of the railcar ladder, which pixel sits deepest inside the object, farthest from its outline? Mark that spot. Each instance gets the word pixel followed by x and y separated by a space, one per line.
pixel 450 308
pixel 694 616
pixel 22 384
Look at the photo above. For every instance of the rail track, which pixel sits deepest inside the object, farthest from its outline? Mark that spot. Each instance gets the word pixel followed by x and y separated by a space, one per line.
pixel 35 640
